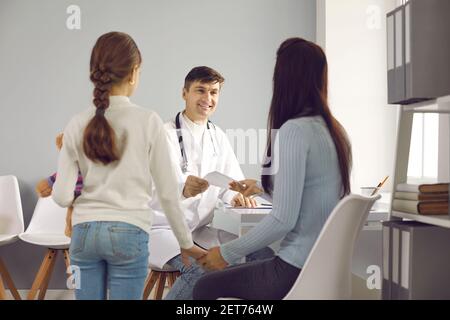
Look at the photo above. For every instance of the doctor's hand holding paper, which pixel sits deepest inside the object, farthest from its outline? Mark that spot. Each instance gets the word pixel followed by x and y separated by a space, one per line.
pixel 194 186
pixel 223 181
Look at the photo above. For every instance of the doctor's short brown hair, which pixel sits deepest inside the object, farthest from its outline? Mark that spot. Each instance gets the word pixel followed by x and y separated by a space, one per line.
pixel 203 74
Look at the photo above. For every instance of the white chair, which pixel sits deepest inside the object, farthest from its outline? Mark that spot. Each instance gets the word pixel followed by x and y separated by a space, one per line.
pixel 158 276
pixel 46 229
pixel 326 274
pixel 11 225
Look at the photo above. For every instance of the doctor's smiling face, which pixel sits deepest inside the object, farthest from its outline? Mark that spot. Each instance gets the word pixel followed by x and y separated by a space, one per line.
pixel 201 100
pixel 201 93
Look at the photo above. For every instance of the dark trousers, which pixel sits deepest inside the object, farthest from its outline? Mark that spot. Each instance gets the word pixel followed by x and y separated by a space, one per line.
pixel 269 279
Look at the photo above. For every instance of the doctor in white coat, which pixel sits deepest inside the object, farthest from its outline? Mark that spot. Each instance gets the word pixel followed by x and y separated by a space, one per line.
pixel 199 147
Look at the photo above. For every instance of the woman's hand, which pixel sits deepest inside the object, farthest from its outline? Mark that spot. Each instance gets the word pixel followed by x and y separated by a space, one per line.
pixel 213 260
pixel 195 252
pixel 240 201
pixel 247 187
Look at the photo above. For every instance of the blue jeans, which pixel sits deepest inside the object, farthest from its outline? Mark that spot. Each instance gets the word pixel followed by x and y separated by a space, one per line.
pixel 109 255
pixel 184 285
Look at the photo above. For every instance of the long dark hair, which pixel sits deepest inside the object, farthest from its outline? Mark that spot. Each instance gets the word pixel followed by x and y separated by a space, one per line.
pixel 300 88
pixel 113 58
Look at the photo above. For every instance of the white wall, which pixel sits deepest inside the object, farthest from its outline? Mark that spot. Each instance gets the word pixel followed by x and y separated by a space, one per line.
pixel 44 70
pixel 353 34
pixel 355 44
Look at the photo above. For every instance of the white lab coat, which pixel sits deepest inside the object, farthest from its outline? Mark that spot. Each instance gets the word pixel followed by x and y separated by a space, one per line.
pixel 198 210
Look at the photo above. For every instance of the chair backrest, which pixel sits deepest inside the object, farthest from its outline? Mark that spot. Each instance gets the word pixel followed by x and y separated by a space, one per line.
pixel 11 215
pixel 326 274
pixel 48 217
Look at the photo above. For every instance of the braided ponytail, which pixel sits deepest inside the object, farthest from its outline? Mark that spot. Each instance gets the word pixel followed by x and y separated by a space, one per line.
pixel 114 56
pixel 103 82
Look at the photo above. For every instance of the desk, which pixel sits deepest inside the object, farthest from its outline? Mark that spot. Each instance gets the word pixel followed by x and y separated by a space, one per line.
pixel 238 221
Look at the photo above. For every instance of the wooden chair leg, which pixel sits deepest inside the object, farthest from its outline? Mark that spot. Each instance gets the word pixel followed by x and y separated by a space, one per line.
pixel 48 275
pixel 149 284
pixel 160 286
pixel 2 290
pixel 66 258
pixel 40 275
pixel 172 278
pixel 8 280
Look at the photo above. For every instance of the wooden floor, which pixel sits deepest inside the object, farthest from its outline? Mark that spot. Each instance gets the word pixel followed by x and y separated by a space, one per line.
pixel 360 291
pixel 59 294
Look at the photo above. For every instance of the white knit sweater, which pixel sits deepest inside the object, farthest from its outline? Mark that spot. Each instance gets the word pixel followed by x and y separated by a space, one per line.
pixel 121 191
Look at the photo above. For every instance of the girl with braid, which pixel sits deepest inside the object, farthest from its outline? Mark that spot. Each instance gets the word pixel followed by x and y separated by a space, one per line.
pixel 121 150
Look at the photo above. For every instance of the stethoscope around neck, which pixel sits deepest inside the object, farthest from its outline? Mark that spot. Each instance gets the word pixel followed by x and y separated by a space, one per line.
pixel 184 165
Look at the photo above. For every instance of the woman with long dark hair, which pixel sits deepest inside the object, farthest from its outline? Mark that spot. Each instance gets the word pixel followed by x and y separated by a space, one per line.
pixel 120 149
pixel 306 173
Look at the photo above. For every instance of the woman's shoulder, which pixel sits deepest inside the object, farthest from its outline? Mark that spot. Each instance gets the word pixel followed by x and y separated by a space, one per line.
pixel 302 123
pixel 306 129
pixel 305 121
pixel 312 124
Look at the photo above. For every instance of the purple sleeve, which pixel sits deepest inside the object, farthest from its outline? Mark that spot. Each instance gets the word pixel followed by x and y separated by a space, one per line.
pixel 51 180
pixel 79 185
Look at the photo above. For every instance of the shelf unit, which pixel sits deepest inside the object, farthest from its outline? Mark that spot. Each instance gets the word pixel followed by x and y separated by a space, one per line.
pixel 415 263
pixel 417 51
pixel 441 221
pixel 404 128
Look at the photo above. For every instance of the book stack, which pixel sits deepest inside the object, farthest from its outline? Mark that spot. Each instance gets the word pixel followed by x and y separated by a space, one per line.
pixel 423 199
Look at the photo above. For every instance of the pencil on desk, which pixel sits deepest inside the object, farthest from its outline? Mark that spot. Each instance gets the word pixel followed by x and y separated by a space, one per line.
pixel 379 186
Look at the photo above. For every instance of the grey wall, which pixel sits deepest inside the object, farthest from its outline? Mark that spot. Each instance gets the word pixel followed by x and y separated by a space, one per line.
pixel 44 75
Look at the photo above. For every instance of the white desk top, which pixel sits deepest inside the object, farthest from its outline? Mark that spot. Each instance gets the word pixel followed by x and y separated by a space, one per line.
pixel 245 215
pixel 374 215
